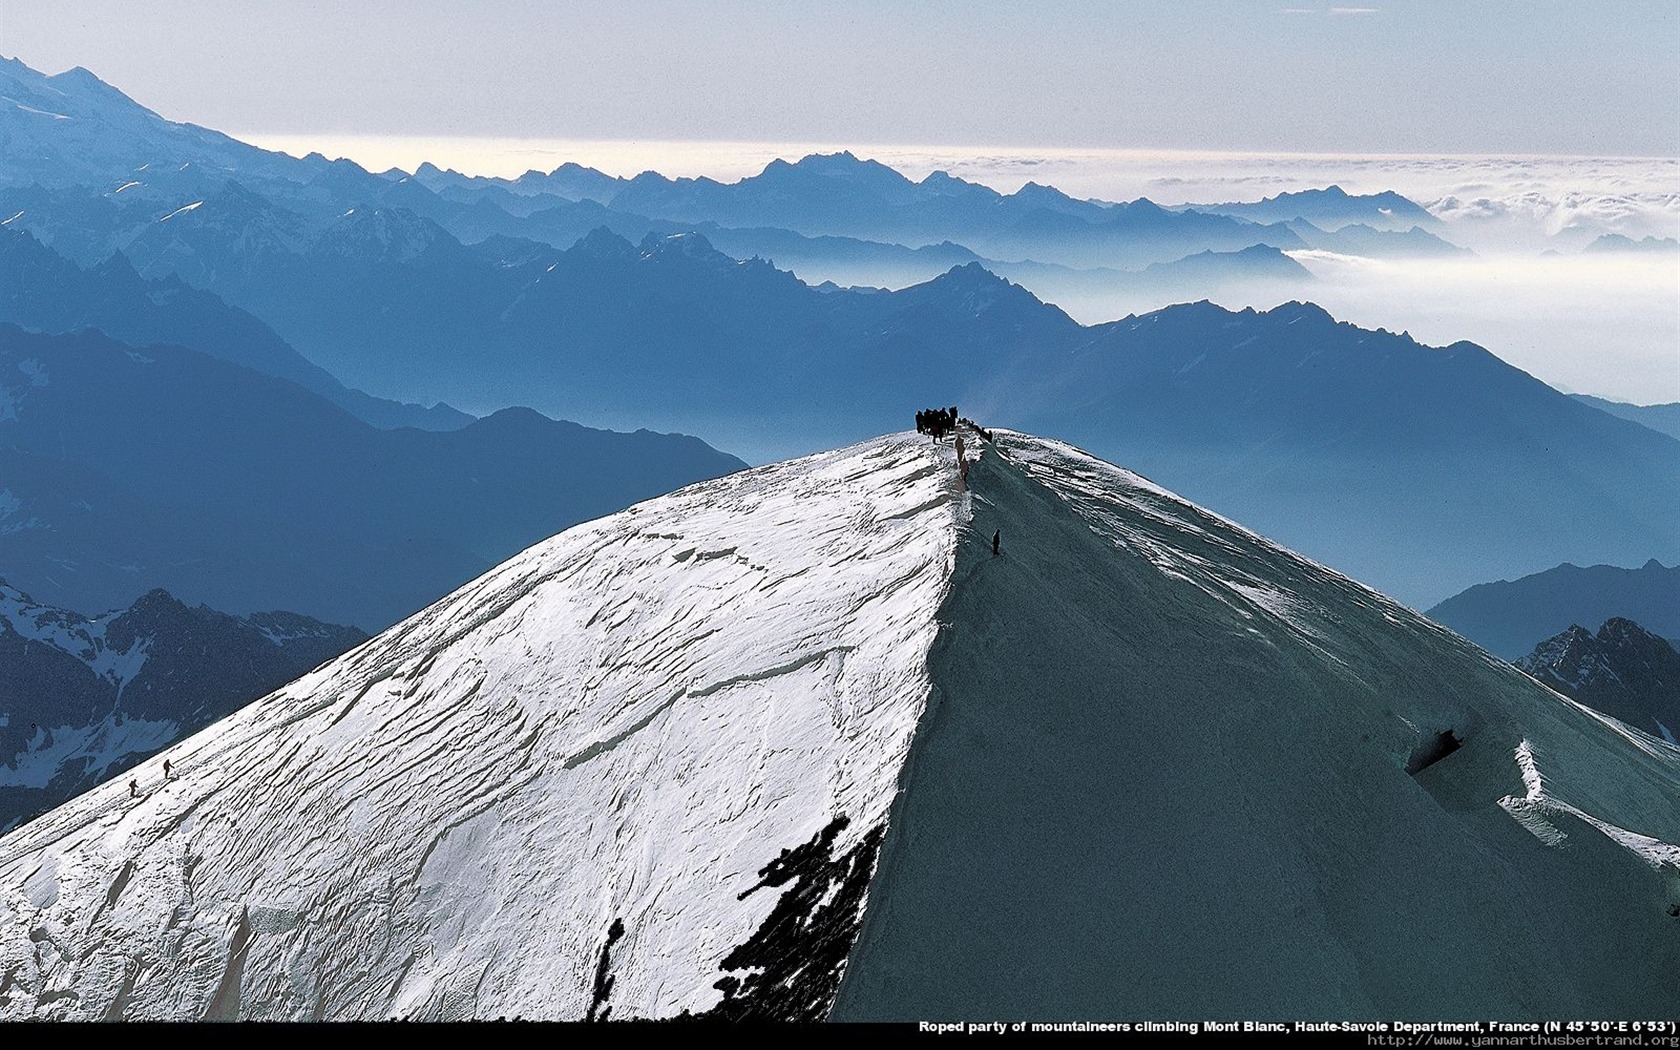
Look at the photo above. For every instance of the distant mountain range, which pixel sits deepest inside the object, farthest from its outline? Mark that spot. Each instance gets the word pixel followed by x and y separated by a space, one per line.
pixel 131 157
pixel 838 196
pixel 594 298
pixel 83 698
pixel 841 195
pixel 1413 468
pixel 1624 671
pixel 123 469
pixel 1509 617
pixel 1616 242
pixel 1375 241
pixel 1664 419
pixel 1409 466
pixel 1331 208
pixel 230 235
pixel 43 291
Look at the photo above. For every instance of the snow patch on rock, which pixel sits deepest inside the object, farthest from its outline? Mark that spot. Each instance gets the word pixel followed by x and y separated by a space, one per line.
pixel 77 636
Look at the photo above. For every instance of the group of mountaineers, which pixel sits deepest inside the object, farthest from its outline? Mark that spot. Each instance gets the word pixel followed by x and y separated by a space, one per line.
pixel 937 422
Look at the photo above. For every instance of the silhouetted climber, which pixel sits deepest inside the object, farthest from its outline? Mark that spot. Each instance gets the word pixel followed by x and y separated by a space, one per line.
pixel 166 768
pixel 997 537
pixel 134 789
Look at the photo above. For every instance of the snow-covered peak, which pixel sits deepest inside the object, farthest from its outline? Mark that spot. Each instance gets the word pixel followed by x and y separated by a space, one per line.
pixel 72 129
pixel 81 637
pixel 855 736
pixel 623 724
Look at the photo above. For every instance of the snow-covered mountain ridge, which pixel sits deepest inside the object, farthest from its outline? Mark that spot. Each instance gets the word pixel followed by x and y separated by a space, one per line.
pixel 794 743
pixel 624 723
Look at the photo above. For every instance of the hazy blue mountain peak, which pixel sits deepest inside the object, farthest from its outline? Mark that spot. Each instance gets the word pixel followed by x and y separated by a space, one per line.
pixel 1616 242
pixel 973 276
pixel 1038 191
pixel 1330 208
pixel 603 243
pixel 1301 308
pixel 971 290
pixel 1141 206
pixel 116 268
pixel 847 165
pixel 388 234
pixel 691 245
pixel 1508 617
pixel 341 176
pixel 944 184
pixel 572 167
pixel 76 89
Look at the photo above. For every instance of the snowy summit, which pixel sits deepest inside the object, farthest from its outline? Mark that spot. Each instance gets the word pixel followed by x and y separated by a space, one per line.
pixel 795 743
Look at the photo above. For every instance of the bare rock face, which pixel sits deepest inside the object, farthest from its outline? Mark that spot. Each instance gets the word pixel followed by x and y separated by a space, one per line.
pixel 1624 670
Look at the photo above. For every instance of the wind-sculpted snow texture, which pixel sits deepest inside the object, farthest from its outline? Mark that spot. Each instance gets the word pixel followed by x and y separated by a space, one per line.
pixel 1165 773
pixel 797 744
pixel 598 781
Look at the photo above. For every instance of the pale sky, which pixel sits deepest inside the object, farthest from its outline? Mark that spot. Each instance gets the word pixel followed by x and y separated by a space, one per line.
pixel 1438 76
